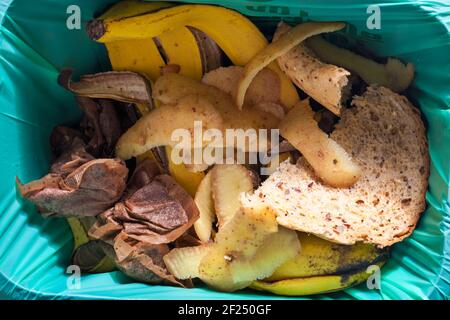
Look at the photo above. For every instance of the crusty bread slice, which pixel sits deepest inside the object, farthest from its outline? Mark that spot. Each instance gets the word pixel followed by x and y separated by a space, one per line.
pixel 326 83
pixel 385 135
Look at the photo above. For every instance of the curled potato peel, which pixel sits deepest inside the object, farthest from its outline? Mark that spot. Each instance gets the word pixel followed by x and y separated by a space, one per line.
pixel 329 160
pixel 394 74
pixel 277 48
pixel 156 128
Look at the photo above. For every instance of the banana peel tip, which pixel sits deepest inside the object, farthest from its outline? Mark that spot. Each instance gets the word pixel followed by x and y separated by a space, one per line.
pixel 95 29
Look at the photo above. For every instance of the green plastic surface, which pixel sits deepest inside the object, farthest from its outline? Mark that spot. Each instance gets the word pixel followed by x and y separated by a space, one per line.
pixel 35 44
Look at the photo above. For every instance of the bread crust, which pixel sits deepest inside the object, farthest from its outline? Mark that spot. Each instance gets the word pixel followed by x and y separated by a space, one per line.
pixel 385 135
pixel 326 83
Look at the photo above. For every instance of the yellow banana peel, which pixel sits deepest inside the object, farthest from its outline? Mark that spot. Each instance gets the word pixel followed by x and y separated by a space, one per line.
pixel 180 47
pixel 234 33
pixel 239 38
pixel 143 56
pixel 314 285
pixel 188 180
pixel 136 55
pixel 129 40
pixel 320 257
pixel 322 267
pixel 133 54
pixel 80 237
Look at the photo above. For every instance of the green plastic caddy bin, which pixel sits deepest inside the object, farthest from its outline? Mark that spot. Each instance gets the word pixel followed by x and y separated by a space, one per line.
pixel 35 44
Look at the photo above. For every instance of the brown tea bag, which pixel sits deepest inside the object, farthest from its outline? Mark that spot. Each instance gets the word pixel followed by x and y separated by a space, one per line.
pixel 142 261
pixel 77 186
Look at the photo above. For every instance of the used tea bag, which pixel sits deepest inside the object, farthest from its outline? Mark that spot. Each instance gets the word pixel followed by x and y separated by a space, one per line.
pixel 77 185
pixel 156 209
pixel 142 261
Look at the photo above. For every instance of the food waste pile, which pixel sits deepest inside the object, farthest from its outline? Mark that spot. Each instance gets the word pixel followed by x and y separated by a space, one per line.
pixel 342 180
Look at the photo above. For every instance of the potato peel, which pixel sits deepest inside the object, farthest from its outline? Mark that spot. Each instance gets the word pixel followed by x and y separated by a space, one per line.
pixel 394 74
pixel 328 159
pixel 205 203
pixel 183 262
pixel 156 128
pixel 277 248
pixel 235 244
pixel 170 88
pixel 228 182
pixel 327 84
pixel 264 92
pixel 289 40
